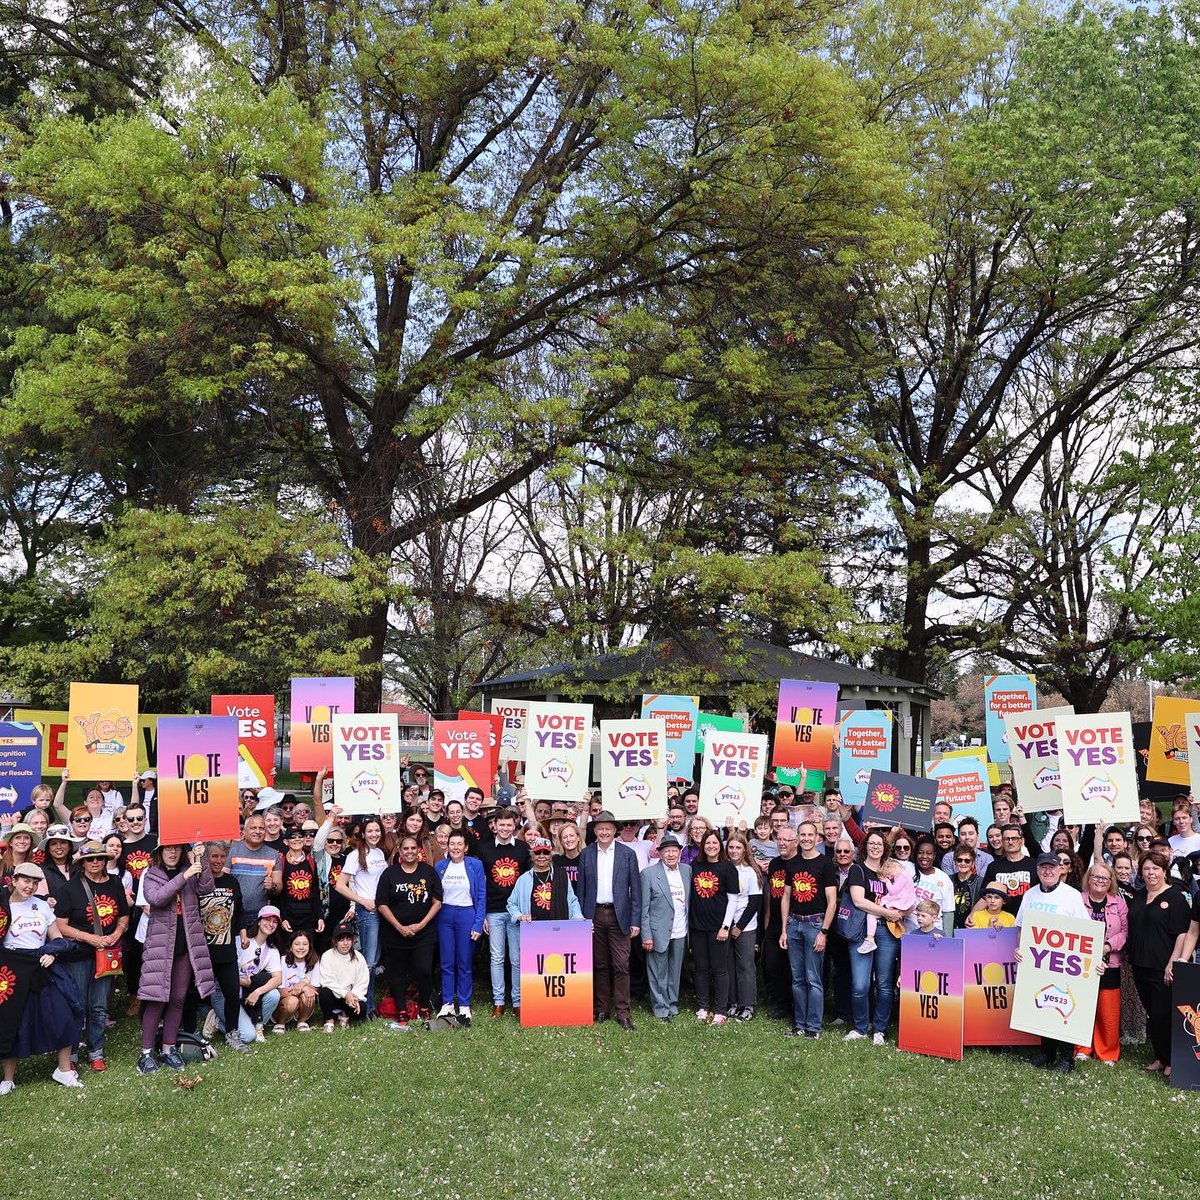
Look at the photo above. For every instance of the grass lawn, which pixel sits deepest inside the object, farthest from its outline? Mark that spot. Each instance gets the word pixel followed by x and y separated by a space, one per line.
pixel 677 1110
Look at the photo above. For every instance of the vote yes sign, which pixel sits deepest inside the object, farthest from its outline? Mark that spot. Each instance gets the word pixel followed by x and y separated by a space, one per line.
pixel 731 776
pixel 197 779
pixel 558 750
pixel 633 769
pixel 366 762
pixel 255 716
pixel 462 757
pixel 1099 774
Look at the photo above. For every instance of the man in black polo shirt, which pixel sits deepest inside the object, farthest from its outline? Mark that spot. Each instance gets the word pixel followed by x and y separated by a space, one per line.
pixel 807 911
pixel 777 974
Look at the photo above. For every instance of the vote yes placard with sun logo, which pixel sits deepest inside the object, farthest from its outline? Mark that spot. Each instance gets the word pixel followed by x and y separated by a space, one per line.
pixel 931 996
pixel 556 973
pixel 197 779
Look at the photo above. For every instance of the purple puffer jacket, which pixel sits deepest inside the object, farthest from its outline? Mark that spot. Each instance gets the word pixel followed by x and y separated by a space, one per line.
pixel 160 891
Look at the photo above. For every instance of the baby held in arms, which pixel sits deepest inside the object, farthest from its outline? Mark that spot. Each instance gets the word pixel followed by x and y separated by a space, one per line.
pixel 898 893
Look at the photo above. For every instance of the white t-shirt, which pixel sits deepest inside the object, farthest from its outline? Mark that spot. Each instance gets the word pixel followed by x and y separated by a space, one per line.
pixel 295 973
pixel 936 887
pixel 364 877
pixel 456 887
pixel 257 958
pixel 679 926
pixel 642 849
pixel 31 919
pixel 113 799
pixel 101 826
pixel 749 886
pixel 1182 846
pixel 1063 900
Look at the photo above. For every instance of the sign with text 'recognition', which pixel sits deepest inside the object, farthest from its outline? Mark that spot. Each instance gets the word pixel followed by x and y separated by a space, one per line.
pixel 315 702
pixel 366 763
pixel 20 767
pixel 198 780
pixel 732 771
pixel 558 751
pixel 1099 771
pixel 633 769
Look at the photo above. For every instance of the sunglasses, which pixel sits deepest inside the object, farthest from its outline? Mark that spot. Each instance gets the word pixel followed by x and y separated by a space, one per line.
pixel 1144 838
pixel 82 820
pixel 964 860
pixel 901 846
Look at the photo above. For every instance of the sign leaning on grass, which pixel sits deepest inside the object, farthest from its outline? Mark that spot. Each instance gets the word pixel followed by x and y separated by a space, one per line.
pixel 732 771
pixel 633 769
pixel 931 996
pixel 1058 978
pixel 990 971
pixel 558 751
pixel 556 973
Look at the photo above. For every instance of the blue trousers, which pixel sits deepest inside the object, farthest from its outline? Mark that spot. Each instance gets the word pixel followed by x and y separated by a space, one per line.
pixel 456 950
pixel 504 934
pixel 808 982
pixel 883 963
pixel 93 994
pixel 368 944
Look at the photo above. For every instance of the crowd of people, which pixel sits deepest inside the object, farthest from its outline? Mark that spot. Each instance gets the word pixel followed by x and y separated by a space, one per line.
pixel 315 918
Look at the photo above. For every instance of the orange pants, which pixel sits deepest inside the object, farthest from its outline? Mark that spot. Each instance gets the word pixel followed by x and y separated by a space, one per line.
pixel 1106 1036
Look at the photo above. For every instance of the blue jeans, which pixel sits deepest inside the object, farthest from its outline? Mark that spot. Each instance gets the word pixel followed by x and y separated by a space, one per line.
pixel 245 1029
pixel 504 934
pixel 883 961
pixel 454 924
pixel 368 944
pixel 93 993
pixel 808 987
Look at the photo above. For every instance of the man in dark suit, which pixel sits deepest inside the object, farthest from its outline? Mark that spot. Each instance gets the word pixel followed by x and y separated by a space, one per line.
pixel 610 895
pixel 666 886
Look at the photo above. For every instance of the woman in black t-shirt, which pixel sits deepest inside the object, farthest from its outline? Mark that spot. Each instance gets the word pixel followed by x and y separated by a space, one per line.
pixel 571 845
pixel 1158 925
pixel 407 899
pixel 715 889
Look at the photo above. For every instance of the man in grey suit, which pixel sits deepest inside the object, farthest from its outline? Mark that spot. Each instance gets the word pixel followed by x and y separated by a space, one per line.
pixel 666 887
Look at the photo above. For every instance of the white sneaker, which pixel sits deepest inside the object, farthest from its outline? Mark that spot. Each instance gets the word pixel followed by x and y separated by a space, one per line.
pixel 279 1029
pixel 702 1014
pixel 211 1024
pixel 868 947
pixel 853 1036
pixel 7 1086
pixel 447 1010
pixel 465 1011
pixel 259 1036
pixel 66 1078
pixel 879 1040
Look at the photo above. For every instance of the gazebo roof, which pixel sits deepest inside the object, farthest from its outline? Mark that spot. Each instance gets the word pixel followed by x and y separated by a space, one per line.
pixel 705 654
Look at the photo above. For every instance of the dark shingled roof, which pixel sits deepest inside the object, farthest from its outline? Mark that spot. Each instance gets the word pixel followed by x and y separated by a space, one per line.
pixel 746 660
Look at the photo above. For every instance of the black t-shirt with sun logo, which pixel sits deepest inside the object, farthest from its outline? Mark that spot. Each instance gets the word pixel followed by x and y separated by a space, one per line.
pixel 135 858
pixel 110 905
pixel 774 885
pixel 300 896
pixel 711 885
pixel 408 895
pixel 502 867
pixel 808 878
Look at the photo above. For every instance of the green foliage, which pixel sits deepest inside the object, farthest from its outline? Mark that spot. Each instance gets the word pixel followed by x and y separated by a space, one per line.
pixel 233 599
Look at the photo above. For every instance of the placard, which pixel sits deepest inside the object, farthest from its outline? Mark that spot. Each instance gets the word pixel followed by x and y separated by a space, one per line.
pixel 462 751
pixel 1192 725
pixel 805 725
pixel 732 769
pixel 315 702
pixel 977 753
pixel 990 979
pixel 1004 695
pixel 366 763
pixel 256 735
pixel 495 724
pixel 864 745
pixel 931 996
pixel 633 769
pixel 1185 1026
pixel 962 784
pixel 1058 978
pixel 20 767
pixel 53 725
pixel 102 732
pixel 1099 775
pixel 1169 759
pixel 197 780
pixel 1033 742
pixel 556 973
pixel 680 714
pixel 558 750
pixel 707 722
pixel 894 799
pixel 513 714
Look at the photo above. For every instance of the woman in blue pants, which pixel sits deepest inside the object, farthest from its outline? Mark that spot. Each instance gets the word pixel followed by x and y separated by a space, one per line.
pixel 459 924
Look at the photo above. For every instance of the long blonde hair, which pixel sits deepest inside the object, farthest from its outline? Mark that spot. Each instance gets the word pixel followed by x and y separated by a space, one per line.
pixel 747 857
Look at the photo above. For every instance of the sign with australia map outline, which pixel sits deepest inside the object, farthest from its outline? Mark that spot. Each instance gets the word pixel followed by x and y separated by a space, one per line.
pixel 633 769
pixel 732 770
pixel 558 750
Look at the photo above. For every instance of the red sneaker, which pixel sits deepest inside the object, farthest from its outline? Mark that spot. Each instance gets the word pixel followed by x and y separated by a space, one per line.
pixel 98 1064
